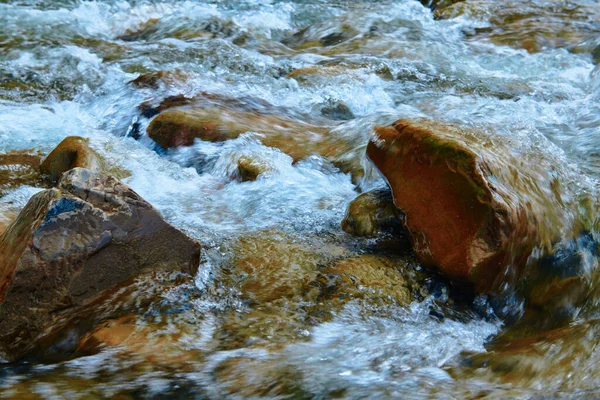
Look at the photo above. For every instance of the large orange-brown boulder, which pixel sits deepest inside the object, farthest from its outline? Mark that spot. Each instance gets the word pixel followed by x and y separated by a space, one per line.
pixel 477 205
pixel 71 245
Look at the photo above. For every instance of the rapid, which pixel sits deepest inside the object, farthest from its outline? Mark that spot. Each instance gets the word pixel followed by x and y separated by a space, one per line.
pixel 67 66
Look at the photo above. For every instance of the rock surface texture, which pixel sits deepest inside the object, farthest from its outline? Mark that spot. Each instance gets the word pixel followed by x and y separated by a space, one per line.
pixel 72 152
pixel 372 213
pixel 71 244
pixel 475 208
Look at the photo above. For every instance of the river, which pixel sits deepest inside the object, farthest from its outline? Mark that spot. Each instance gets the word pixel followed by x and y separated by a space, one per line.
pixel 66 68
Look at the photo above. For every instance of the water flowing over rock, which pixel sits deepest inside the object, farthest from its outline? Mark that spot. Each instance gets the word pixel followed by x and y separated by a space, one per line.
pixel 531 26
pixel 180 127
pixel 476 208
pixel 19 168
pixel 71 244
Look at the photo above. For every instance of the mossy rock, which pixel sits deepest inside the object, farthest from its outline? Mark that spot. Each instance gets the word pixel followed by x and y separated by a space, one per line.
pixel 377 280
pixel 250 168
pixel 371 214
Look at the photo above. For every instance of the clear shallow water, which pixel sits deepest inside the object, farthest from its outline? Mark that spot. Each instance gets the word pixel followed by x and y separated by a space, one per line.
pixel 65 68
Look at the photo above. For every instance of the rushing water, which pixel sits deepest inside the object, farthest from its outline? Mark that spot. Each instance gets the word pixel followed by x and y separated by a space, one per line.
pixel 65 68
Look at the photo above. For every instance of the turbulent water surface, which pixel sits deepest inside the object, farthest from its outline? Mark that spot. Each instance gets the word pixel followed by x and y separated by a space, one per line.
pixel 522 69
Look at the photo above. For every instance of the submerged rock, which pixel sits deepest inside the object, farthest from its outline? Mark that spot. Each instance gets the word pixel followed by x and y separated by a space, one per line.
pixel 72 244
pixel 72 152
pixel 272 265
pixel 133 335
pixel 479 207
pixel 560 359
pixel 380 280
pixel 533 26
pixel 372 213
pixel 19 168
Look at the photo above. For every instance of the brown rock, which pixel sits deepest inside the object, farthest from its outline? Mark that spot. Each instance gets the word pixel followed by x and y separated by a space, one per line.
pixel 533 26
pixel 153 80
pixel 181 127
pixel 249 168
pixel 372 213
pixel 271 266
pixel 135 336
pixel 378 279
pixel 72 152
pixel 558 359
pixel 71 245
pixel 472 205
pixel 19 168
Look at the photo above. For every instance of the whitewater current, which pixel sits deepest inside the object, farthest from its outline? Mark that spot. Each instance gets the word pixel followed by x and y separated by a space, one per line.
pixel 66 68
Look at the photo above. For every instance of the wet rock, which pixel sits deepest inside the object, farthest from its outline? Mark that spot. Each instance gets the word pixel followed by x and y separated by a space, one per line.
pixel 320 36
pixel 71 245
pixel 337 110
pixel 439 4
pixel 250 168
pixel 72 152
pixel 379 280
pixel 371 214
pixel 473 205
pixel 153 80
pixel 134 336
pixel 140 32
pixel 305 74
pixel 254 374
pixel 272 266
pixel 533 26
pixel 19 168
pixel 559 359
pixel 148 110
pixel 180 127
